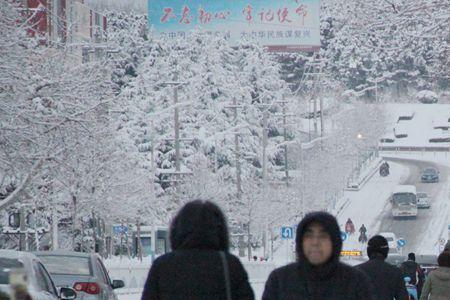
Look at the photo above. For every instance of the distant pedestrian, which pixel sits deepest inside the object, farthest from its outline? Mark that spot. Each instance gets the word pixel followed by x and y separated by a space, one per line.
pixel 349 227
pixel 437 285
pixel 385 278
pixel 318 274
pixel 200 266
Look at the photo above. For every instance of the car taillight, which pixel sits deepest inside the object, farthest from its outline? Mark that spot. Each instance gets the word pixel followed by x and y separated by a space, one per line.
pixel 87 287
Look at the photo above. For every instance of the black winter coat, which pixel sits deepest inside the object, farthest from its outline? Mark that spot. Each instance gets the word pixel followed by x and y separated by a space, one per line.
pixel 195 274
pixel 385 278
pixel 292 283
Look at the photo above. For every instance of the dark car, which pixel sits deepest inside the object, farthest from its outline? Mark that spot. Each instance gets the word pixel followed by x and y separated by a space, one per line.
pixel 84 272
pixel 428 262
pixel 430 175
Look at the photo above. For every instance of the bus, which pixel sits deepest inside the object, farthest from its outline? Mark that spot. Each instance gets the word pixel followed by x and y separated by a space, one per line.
pixel 404 201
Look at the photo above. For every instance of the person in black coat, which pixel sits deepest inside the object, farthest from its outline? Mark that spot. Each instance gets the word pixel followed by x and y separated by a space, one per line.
pixel 200 266
pixel 385 278
pixel 317 274
pixel 413 270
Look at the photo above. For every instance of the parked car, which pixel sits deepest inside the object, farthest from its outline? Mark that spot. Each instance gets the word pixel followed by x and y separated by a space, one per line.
pixel 427 97
pixel 38 281
pixel 84 272
pixel 430 175
pixel 422 200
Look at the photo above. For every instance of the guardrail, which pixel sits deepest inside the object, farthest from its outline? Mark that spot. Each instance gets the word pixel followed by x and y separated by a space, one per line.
pixel 134 273
pixel 414 148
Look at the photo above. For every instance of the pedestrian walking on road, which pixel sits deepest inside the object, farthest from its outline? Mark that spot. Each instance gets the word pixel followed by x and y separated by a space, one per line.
pixel 437 285
pixel 200 266
pixel 385 278
pixel 318 274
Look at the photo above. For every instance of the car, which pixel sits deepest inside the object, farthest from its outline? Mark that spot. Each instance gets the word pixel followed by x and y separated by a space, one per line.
pixel 85 272
pixel 27 267
pixel 422 200
pixel 391 239
pixel 395 259
pixel 429 175
pixel 427 262
pixel 427 97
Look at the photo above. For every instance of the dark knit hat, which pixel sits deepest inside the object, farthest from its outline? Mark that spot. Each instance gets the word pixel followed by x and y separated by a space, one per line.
pixel 377 245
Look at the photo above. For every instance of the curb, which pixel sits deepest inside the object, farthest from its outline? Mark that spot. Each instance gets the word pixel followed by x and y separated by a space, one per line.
pixel 366 178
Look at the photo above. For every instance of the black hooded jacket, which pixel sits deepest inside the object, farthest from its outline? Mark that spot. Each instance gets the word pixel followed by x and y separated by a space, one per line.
pixel 330 281
pixel 387 279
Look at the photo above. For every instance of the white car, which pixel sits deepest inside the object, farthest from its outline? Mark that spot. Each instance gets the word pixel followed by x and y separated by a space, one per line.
pixel 423 201
pixel 392 241
pixel 29 270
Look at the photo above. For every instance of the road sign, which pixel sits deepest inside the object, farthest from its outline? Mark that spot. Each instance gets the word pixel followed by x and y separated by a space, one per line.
pixel 287 233
pixel 343 236
pixel 118 229
pixel 401 243
pixel 351 253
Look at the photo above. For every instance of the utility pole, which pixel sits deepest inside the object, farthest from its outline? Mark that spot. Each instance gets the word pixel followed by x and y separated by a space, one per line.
pixel 315 117
pixel 177 126
pixel 264 144
pixel 54 231
pixel 237 150
pixel 23 237
pixel 321 117
pixel 286 169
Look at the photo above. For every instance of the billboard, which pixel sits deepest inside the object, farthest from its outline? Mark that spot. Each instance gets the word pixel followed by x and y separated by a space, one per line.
pixel 282 25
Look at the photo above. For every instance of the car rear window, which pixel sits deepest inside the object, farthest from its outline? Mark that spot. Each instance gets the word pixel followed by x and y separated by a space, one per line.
pixel 390 239
pixel 6 264
pixel 422 195
pixel 66 265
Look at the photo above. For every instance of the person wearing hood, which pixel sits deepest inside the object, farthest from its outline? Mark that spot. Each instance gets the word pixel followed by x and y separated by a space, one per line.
pixel 200 266
pixel 317 274
pixel 385 278
pixel 437 285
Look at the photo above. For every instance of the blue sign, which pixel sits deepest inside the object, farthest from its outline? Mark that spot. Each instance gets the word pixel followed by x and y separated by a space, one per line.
pixel 118 229
pixel 283 23
pixel 343 236
pixel 401 243
pixel 287 233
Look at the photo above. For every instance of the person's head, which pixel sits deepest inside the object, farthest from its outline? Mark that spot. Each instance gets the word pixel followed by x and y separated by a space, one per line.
pixel 377 247
pixel 412 256
pixel 199 225
pixel 318 239
pixel 444 259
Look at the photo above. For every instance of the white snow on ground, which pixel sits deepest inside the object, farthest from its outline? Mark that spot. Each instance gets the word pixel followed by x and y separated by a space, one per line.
pixel 421 128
